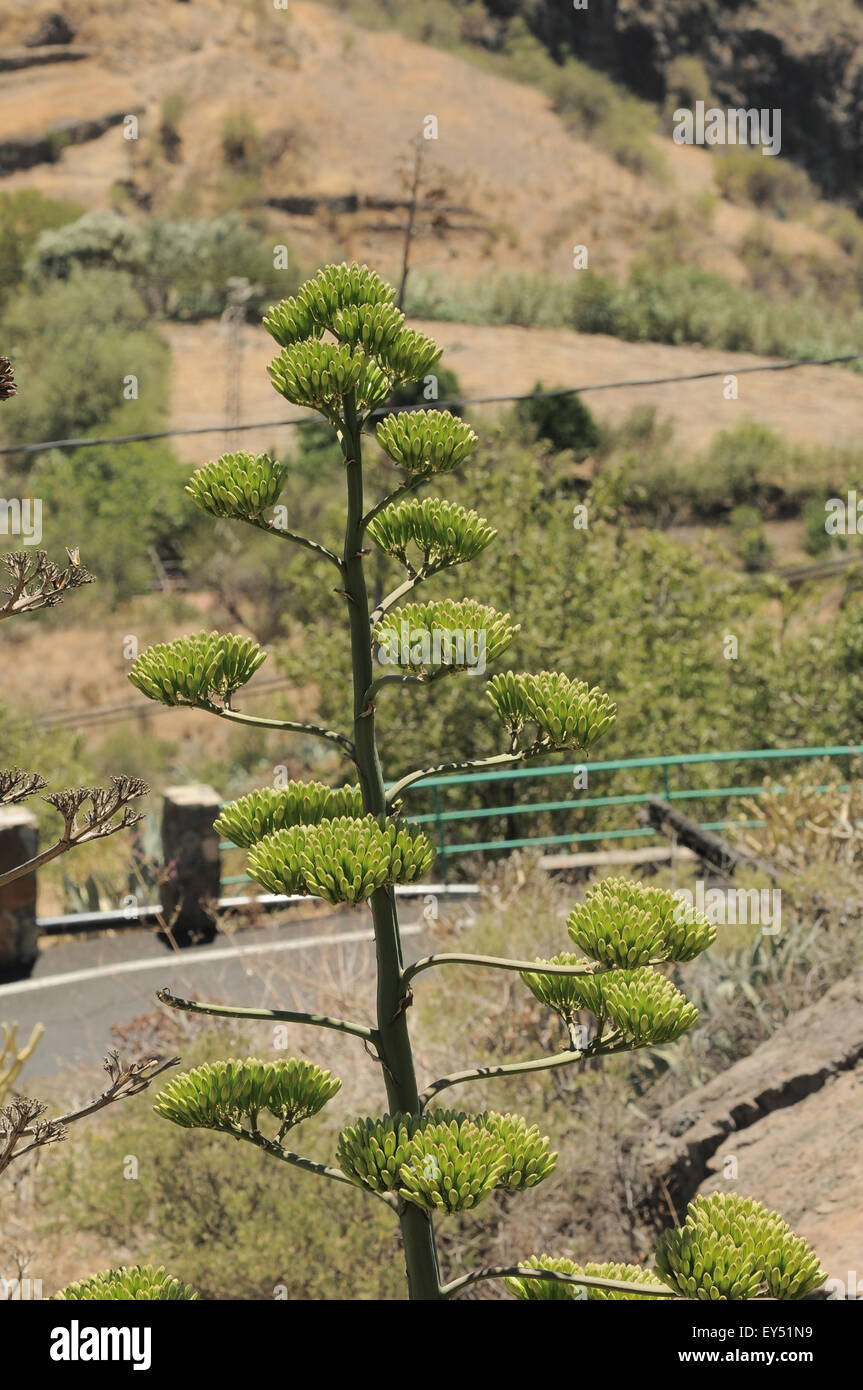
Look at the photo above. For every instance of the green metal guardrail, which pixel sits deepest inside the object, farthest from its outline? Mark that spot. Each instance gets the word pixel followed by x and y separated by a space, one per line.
pixel 663 764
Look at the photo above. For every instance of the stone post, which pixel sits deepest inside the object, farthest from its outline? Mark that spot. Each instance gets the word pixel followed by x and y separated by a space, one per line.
pixel 19 841
pixel 193 865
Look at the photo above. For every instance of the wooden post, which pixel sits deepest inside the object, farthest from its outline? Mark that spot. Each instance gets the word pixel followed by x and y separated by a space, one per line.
pixel 19 841
pixel 710 848
pixel 193 863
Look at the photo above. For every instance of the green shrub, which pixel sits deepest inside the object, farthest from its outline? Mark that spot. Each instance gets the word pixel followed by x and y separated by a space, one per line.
pixel 665 304
pixel 745 175
pixel 124 507
pixel 742 466
pixel 74 343
pixel 24 216
pixel 750 541
pixel 171 113
pixel 817 540
pixel 97 240
pixel 846 229
pixel 595 107
pixel 564 422
pixel 182 266
pixel 448 389
pixel 686 82
pixel 241 141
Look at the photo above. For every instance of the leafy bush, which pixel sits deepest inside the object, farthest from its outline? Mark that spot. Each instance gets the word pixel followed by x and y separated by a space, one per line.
pixel 750 541
pixel 24 216
pixel 171 113
pixel 75 342
pixel 241 140
pixel 564 422
pixel 97 240
pixel 449 388
pixel 195 260
pixel 125 506
pixel 181 265
pixel 665 304
pixel 817 539
pixel 595 107
pixel 747 176
pixel 686 82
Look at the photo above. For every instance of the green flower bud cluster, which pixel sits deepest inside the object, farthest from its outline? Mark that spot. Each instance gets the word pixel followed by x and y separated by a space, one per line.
pixel 629 924
pixel 645 1006
pixel 369 326
pixel 407 356
pixel 238 485
pixel 568 995
pixel 320 375
pixel 321 299
pixel 443 532
pixel 196 670
pixel 424 637
pixel 528 1157
pixel 374 350
pixel 219 1095
pixel 444 1160
pixel 549 1290
pixel 641 1004
pixel 426 441
pixel 343 860
pixel 140 1283
pixel 251 818
pixel 566 713
pixel 732 1247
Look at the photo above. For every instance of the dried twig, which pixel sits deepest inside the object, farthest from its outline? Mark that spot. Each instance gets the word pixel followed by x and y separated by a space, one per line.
pixel 22 1120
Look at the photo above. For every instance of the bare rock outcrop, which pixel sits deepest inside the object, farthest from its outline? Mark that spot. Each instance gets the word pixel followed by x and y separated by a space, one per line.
pixel 784 1125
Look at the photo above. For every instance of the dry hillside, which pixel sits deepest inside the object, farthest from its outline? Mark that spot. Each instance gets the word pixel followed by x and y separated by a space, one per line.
pixel 338 108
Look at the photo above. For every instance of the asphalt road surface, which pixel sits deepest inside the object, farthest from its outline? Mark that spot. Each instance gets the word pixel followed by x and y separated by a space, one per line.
pixel 79 989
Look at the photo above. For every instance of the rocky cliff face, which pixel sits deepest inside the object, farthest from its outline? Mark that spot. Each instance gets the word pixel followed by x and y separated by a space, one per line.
pixel 804 58
pixel 783 1125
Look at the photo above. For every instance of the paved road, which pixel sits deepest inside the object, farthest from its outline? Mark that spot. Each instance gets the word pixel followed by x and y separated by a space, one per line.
pixel 79 989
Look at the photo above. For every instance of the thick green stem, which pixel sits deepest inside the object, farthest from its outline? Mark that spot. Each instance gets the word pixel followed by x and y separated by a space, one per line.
pixel 394 1046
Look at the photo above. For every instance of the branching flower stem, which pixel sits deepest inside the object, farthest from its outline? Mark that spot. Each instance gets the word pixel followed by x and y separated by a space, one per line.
pixel 321 1170
pixel 535 967
pixel 422 678
pixel 396 594
pixel 409 485
pixel 294 536
pixel 560 1059
pixel 498 760
pixel 341 1025
pixel 290 726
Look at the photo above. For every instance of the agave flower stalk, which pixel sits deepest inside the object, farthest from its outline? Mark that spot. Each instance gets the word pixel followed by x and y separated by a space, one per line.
pixel 344 347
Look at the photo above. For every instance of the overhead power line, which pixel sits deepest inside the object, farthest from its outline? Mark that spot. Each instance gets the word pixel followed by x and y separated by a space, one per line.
pixel 311 418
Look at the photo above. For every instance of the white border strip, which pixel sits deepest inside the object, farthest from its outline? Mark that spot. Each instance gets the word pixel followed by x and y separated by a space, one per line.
pixel 170 963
